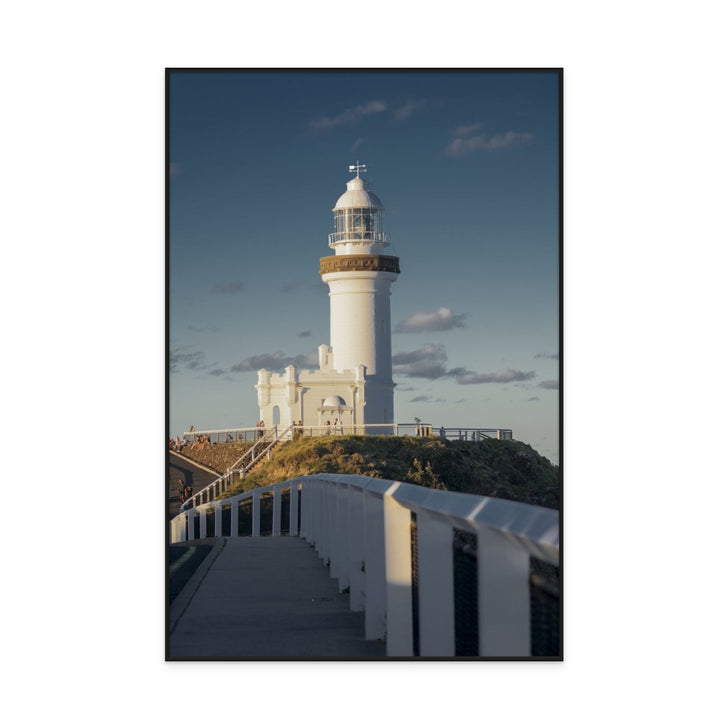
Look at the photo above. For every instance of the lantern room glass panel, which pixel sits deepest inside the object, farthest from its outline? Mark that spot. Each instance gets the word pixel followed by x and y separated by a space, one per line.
pixel 358 224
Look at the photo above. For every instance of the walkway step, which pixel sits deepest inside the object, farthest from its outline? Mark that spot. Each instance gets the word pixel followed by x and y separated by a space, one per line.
pixel 269 597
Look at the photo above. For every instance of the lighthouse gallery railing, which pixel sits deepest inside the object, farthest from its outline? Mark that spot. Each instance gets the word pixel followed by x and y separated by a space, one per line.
pixel 365 530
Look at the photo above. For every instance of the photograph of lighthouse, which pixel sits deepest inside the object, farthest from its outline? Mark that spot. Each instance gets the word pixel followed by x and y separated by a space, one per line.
pixel 364 364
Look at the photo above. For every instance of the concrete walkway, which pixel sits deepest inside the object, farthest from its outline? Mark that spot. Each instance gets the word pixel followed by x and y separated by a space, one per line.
pixel 265 597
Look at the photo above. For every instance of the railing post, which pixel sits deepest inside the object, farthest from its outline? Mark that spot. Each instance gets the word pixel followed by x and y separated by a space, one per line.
pixel 325 521
pixel 203 522
pixel 218 519
pixel 191 523
pixel 256 513
pixel 277 509
pixel 503 597
pixel 294 518
pixel 339 558
pixel 398 571
pixel 314 521
pixel 318 516
pixel 356 549
pixel 307 517
pixel 234 517
pixel 176 529
pixel 375 581
pixel 436 604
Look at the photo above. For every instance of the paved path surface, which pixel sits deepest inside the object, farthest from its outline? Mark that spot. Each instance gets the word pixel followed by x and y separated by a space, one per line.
pixel 266 597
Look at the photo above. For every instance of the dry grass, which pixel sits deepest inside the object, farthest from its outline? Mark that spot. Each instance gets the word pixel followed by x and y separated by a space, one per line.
pixel 505 469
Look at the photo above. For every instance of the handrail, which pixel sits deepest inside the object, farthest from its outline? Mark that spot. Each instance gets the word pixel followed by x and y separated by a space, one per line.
pixel 251 451
pixel 358 237
pixel 240 433
pixel 466 433
pixel 217 486
pixel 361 528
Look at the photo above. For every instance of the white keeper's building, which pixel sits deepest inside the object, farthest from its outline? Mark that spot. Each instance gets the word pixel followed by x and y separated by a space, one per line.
pixel 353 383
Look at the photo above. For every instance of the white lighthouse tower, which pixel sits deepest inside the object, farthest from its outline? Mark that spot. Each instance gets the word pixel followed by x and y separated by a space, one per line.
pixel 359 276
pixel 352 390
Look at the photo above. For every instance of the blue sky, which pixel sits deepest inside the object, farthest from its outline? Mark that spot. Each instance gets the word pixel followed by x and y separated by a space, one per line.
pixel 466 164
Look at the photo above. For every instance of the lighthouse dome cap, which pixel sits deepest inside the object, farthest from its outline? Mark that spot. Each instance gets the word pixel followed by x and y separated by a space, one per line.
pixel 358 195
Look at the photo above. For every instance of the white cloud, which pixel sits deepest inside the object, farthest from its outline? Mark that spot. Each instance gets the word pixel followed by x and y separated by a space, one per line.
pixel 410 108
pixel 350 115
pixel 464 130
pixel 191 360
pixel 549 385
pixel 441 320
pixel 277 361
pixel 463 146
pixel 464 377
pixel 427 362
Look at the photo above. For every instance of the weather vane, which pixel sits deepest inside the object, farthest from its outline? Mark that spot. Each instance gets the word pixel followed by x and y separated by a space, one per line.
pixel 358 168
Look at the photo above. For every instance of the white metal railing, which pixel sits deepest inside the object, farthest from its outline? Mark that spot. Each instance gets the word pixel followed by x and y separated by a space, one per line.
pixel 259 450
pixel 358 237
pixel 361 528
pixel 226 436
pixel 343 428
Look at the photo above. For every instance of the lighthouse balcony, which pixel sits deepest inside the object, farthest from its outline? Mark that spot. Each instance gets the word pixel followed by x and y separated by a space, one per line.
pixel 359 237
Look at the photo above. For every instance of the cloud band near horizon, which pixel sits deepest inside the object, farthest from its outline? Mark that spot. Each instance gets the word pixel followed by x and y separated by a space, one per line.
pixel 443 319
pixel 429 362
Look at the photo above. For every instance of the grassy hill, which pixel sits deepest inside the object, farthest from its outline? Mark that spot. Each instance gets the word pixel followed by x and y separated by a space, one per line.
pixel 504 469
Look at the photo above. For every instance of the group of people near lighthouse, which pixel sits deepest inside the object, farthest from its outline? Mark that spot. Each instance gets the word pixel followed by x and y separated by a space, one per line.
pixel 334 428
pixel 331 427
